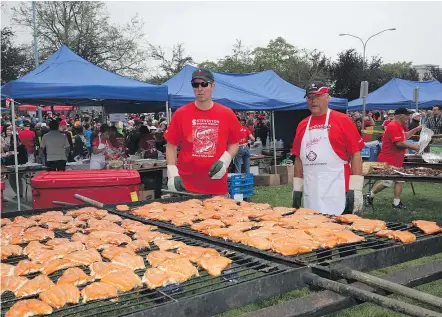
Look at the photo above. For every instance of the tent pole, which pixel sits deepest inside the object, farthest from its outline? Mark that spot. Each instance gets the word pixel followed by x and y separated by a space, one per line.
pixel 274 141
pixel 167 112
pixel 14 137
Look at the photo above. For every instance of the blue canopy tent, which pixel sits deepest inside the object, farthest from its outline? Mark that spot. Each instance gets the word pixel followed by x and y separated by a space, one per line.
pixel 399 93
pixel 67 78
pixel 242 92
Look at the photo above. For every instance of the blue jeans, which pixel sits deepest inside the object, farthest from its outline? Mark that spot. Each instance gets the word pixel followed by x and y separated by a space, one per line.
pixel 243 156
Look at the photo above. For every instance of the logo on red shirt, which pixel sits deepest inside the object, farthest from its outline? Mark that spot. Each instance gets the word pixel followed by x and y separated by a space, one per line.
pixel 205 137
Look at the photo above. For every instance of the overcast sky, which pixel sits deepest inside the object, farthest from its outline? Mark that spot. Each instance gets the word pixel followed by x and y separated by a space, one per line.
pixel 209 29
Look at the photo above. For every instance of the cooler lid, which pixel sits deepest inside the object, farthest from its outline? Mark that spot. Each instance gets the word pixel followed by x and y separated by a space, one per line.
pixel 86 178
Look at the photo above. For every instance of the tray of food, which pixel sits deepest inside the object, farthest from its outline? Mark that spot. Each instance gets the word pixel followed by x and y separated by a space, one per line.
pixel 410 172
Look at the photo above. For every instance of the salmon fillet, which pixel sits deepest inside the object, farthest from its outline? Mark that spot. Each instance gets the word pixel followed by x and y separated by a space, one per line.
pixel 55 265
pixel 347 236
pixel 349 218
pixel 243 226
pixel 10 250
pixel 29 307
pixel 42 256
pixel 85 257
pixel 79 237
pixel 234 219
pixel 195 253
pixel 103 225
pixel 38 234
pixel 12 283
pixel 55 218
pixel 122 208
pixel 306 211
pixel 5 221
pixel 157 258
pixel 258 242
pixel 75 276
pixel 283 210
pixel 403 236
pixel 111 237
pixel 114 251
pixel 270 216
pixel 219 232
pixel 183 221
pixel 37 285
pixel 137 245
pixel 154 278
pixel 179 270
pixel 368 225
pixel 112 218
pixel 124 282
pixel 35 246
pixel 57 241
pixel 165 245
pixel 133 262
pixel 207 224
pixel 214 265
pixel 25 267
pixel 7 269
pixel 151 236
pixel 291 246
pixel 60 295
pixel 101 269
pixel 69 247
pixel 80 211
pixel 46 214
pixel 428 227
pixel 98 290
pixel 25 222
pixel 262 232
pixel 236 235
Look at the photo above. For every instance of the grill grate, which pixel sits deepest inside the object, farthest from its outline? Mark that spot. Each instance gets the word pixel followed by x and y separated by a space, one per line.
pixel 243 269
pixel 320 256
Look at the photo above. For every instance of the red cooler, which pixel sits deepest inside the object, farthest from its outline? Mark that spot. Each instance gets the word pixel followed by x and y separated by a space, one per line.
pixel 106 186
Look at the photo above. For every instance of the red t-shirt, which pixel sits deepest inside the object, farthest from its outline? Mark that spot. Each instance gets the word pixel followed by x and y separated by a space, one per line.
pixel 245 132
pixel 203 136
pixel 27 138
pixel 148 144
pixel 390 153
pixel 386 122
pixel 344 137
pixel 252 129
pixel 111 149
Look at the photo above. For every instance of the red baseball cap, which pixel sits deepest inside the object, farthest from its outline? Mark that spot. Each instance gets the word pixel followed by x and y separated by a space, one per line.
pixel 316 88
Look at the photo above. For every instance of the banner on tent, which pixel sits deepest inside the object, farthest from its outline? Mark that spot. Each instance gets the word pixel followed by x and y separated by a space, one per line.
pixel 115 117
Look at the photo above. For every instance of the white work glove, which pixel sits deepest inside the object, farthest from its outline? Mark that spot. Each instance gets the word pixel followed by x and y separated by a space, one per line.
pixel 219 168
pixel 354 195
pixel 174 181
pixel 298 188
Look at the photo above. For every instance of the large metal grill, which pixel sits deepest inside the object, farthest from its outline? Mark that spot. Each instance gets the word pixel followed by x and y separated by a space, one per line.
pixel 245 273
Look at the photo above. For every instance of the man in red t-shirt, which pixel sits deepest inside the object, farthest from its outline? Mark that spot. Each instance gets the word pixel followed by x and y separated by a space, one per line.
pixel 328 164
pixel 394 146
pixel 389 119
pixel 207 134
pixel 27 138
pixel 243 155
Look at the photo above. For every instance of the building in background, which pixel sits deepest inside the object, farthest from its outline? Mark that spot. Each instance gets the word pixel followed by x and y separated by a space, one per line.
pixel 423 69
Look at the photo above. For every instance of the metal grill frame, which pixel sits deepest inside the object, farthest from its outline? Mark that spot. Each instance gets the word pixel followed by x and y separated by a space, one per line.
pixel 224 297
pixel 386 252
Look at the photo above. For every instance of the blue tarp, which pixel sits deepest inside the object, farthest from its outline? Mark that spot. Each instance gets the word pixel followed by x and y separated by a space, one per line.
pixel 66 77
pixel 399 93
pixel 253 91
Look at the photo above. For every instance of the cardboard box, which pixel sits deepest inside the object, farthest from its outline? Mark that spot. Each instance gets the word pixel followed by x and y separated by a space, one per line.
pixel 146 195
pixel 267 180
pixel 283 169
pixel 286 179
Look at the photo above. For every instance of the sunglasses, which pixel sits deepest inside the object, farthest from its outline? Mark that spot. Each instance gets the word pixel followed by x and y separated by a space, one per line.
pixel 204 84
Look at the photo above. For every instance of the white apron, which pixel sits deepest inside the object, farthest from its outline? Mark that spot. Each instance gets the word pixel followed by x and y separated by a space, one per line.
pixel 324 179
pixel 98 161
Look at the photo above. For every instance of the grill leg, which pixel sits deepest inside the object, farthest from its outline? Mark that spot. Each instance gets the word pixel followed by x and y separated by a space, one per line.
pixel 412 187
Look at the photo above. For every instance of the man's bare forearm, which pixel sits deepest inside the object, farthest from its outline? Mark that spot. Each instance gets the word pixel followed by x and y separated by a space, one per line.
pixel 298 168
pixel 233 149
pixel 356 164
pixel 171 154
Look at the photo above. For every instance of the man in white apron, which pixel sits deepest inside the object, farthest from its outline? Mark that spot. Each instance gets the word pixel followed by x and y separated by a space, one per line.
pixel 328 165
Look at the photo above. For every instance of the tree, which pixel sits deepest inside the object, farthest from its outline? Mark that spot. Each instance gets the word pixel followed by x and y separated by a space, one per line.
pixel 433 73
pixel 403 70
pixel 15 60
pixel 346 74
pixel 168 67
pixel 85 27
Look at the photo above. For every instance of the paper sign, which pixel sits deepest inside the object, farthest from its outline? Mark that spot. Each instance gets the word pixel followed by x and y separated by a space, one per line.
pixel 115 117
pixel 134 196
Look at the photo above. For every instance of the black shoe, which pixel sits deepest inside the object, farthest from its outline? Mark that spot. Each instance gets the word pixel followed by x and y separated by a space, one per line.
pixel 369 200
pixel 399 206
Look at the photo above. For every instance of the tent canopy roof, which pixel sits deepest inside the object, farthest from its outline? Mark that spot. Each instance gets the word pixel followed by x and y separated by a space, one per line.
pixel 67 77
pixel 251 91
pixel 399 93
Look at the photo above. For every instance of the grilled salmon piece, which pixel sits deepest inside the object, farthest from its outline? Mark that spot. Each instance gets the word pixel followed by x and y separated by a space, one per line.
pixel 75 276
pixel 234 219
pixel 57 241
pixel 179 270
pixel 85 257
pixel 98 290
pixel 219 232
pixel 428 227
pixel 35 246
pixel 124 282
pixel 138 245
pixel 29 307
pixel 10 250
pixel 101 269
pixel 12 283
pixel 25 222
pixel 214 265
pixel 59 295
pixel 55 265
pixel 195 253
pixel 151 236
pixel 262 232
pixel 12 230
pixel 103 225
pixel 113 251
pixel 133 262
pixel 69 247
pixel 112 218
pixel 37 285
pixel 42 256
pixel 60 218
pixel 291 246
pixel 305 211
pixel 5 221
pixel 244 226
pixel 348 218
pixel 404 236
pixel 236 235
pixel 25 267
pixel 122 208
pixel 346 236
pixel 258 242
pixel 183 221
pixel 154 278
pixel 368 225
pixel 207 224
pixel 283 210
pixel 80 211
pixel 111 237
pixel 157 258
pixel 270 216
pixel 165 245
pixel 7 269
pixel 79 237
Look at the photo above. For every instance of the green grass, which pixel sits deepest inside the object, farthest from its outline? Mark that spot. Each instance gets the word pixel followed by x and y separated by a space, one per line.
pixel 425 205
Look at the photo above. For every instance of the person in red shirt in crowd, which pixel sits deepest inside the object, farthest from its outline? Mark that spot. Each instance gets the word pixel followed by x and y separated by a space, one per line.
pixel 389 119
pixel 147 143
pixel 394 146
pixel 102 149
pixel 328 164
pixel 368 120
pixel 243 155
pixel 27 138
pixel 207 134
